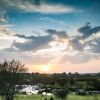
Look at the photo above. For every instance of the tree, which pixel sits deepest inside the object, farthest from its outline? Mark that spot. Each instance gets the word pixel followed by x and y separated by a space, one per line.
pixel 10 76
pixel 61 93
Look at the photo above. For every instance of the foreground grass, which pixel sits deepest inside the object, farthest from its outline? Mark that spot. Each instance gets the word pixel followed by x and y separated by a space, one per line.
pixel 70 97
pixel 89 97
pixel 33 97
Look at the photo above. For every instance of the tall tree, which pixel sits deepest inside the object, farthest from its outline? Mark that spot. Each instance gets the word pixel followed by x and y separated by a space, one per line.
pixel 10 76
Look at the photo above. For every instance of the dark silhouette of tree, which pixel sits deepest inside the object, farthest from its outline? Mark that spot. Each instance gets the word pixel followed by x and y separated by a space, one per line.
pixel 10 76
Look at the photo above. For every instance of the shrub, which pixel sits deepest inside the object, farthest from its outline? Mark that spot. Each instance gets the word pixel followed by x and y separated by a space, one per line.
pixel 61 93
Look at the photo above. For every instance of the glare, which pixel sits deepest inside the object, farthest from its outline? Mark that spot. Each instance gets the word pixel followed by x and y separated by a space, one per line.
pixel 46 68
pixel 59 45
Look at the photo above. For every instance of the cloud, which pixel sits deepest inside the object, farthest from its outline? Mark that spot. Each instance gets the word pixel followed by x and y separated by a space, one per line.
pixel 84 49
pixel 46 8
pixel 78 58
pixel 4 25
pixel 4 30
pixel 51 20
pixel 3 16
pixel 23 36
pixel 82 58
pixel 95 45
pixel 2 20
pixel 87 30
pixel 88 41
pixel 7 40
pixel 90 37
pixel 25 57
pixel 76 45
pixel 33 43
pixel 38 6
pixel 60 34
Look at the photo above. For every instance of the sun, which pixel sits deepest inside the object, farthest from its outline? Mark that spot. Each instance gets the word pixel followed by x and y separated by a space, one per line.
pixel 42 68
pixel 46 68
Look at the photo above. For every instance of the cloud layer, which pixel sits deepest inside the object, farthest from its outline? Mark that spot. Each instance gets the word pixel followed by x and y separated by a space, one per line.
pixel 37 6
pixel 59 43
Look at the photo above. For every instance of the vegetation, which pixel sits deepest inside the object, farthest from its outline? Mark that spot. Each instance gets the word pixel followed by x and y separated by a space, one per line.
pixel 12 73
pixel 61 93
pixel 9 77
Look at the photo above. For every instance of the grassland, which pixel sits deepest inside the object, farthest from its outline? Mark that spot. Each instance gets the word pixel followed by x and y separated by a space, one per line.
pixel 70 97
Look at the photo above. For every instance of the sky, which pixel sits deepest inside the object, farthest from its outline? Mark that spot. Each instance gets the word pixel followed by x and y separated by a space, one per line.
pixel 51 36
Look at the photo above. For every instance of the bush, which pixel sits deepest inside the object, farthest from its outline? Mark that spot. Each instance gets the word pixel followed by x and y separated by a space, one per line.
pixel 61 93
pixel 82 92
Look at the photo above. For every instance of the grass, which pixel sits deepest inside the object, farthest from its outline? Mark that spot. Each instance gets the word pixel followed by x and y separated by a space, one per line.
pixel 32 97
pixel 89 97
pixel 70 97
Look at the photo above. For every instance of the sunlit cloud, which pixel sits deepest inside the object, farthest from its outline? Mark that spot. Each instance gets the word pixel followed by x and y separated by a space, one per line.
pixel 3 20
pixel 41 7
pixel 45 8
pixel 6 41
pixel 4 30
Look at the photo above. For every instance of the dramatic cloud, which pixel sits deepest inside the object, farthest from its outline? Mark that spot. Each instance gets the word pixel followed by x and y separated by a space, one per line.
pixel 85 49
pixel 39 42
pixel 77 43
pixel 87 30
pixel 48 32
pixel 88 41
pixel 33 43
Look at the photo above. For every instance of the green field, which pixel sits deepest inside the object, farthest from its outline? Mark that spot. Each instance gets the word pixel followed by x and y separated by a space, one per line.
pixel 70 97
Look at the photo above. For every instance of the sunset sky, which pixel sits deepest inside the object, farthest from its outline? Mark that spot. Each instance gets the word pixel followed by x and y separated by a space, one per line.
pixel 51 36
